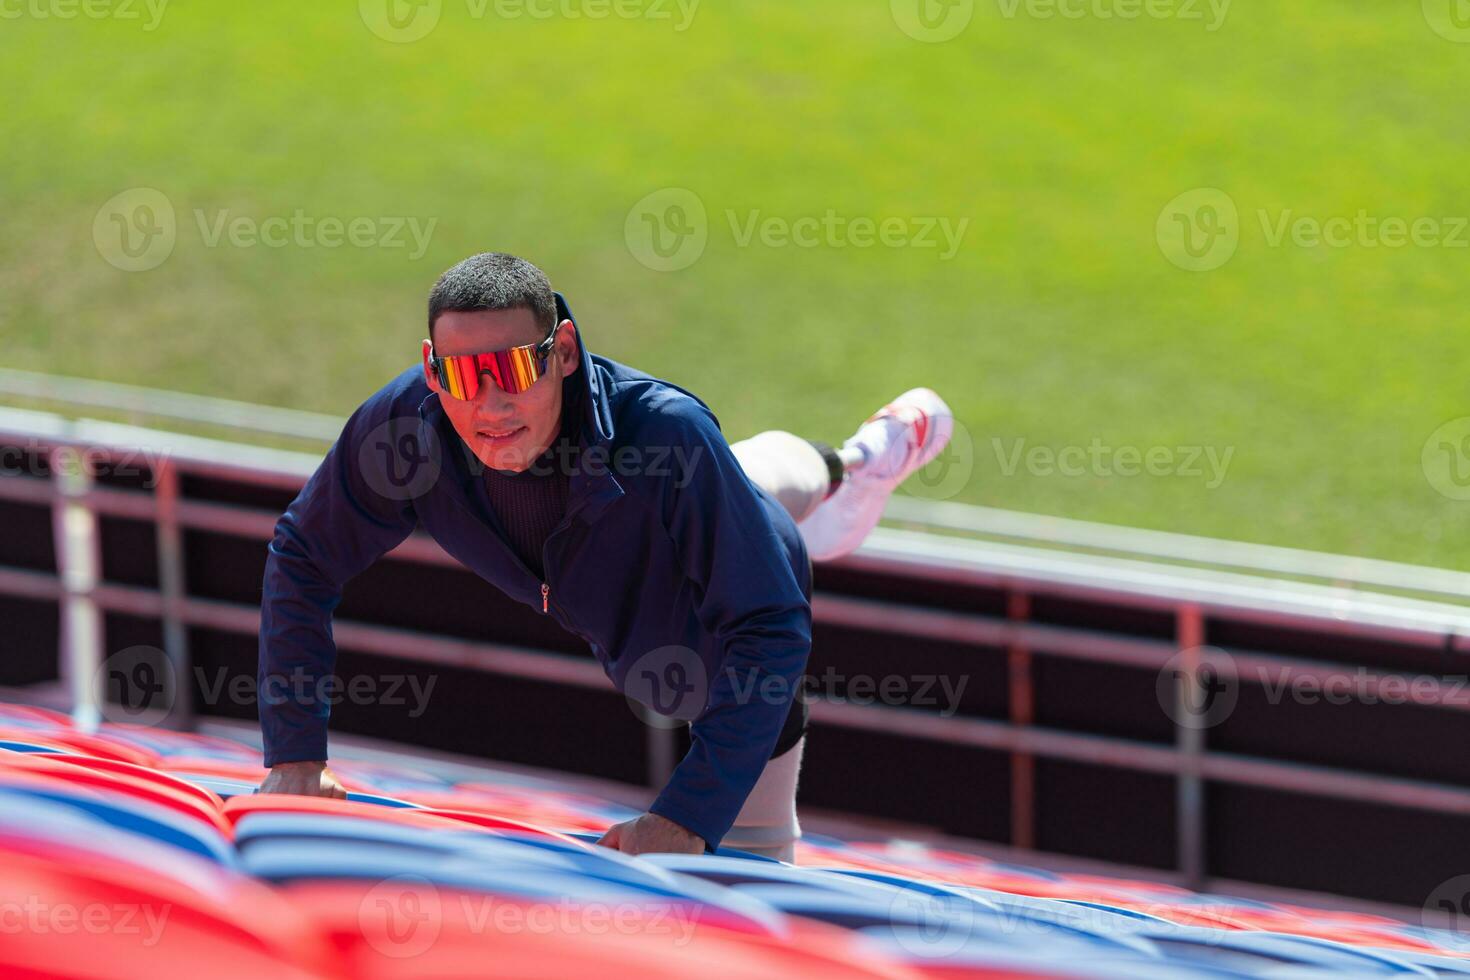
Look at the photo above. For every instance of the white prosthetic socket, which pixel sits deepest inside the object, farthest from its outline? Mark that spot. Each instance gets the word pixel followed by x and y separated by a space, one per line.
pixel 788 468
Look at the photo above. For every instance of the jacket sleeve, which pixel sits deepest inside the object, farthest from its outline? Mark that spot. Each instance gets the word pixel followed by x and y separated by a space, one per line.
pixel 341 522
pixel 751 601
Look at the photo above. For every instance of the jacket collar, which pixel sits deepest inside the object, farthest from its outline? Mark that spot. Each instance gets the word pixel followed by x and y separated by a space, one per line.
pixel 597 424
pixel 592 487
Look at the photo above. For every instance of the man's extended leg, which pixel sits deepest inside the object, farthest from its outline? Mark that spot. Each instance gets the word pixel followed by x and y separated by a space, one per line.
pixel 836 496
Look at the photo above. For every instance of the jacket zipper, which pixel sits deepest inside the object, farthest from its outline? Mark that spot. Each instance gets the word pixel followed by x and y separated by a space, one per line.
pixel 545 588
pixel 546 566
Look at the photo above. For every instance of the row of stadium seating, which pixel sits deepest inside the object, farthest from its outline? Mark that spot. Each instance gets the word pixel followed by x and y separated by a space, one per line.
pixel 131 852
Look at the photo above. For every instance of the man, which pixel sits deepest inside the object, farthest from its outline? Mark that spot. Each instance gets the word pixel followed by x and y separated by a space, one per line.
pixel 610 501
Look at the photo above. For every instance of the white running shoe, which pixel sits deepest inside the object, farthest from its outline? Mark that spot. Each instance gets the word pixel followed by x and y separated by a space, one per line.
pixel 896 440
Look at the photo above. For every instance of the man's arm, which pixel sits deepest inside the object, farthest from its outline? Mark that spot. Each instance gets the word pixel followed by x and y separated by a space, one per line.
pixel 342 521
pixel 752 601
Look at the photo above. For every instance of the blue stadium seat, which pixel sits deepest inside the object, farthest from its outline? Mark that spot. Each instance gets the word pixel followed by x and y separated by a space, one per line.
pixel 733 870
pixel 219 785
pixel 726 852
pixel 1252 951
pixel 943 927
pixel 137 817
pixel 32 747
pixel 382 800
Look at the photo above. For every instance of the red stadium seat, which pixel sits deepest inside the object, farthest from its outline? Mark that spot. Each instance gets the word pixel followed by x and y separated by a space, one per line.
pixel 492 822
pixel 164 779
pixel 101 746
pixel 251 772
pixel 555 811
pixel 96 918
pixel 33 717
pixel 409 930
pixel 173 743
pixel 167 792
pixel 238 807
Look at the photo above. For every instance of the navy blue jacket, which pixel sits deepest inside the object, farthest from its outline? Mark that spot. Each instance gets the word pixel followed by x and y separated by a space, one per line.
pixel 690 583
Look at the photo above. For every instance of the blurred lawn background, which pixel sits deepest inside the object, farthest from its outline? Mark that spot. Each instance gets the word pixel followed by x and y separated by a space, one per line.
pixel 1059 322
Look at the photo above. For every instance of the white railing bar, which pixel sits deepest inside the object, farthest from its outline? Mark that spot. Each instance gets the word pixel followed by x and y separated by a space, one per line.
pixel 1141 542
pixel 120 442
pixel 1170 584
pixel 160 403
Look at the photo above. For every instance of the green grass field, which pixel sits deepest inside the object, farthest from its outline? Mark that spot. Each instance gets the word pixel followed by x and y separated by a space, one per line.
pixel 1059 321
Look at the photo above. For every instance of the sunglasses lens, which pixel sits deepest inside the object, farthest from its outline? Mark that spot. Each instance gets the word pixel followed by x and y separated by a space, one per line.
pixel 514 370
pixel 457 376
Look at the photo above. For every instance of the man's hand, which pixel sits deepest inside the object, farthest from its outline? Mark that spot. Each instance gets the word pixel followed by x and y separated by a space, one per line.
pixel 303 779
pixel 649 834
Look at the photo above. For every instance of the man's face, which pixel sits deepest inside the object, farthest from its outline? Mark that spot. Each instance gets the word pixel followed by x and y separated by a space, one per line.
pixel 504 431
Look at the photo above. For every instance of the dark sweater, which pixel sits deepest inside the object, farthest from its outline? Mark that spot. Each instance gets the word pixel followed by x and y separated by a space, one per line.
pixel 531 503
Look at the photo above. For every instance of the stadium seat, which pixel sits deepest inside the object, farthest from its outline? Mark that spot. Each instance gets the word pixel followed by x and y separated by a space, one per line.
pixel 131 815
pixel 122 779
pixel 237 806
pixel 1250 951
pixel 457 939
pixel 99 745
pixel 10 745
pixel 301 886
pixel 144 773
pixel 147 924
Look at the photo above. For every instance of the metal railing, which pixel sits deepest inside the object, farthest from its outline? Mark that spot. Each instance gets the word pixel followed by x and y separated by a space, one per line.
pixel 1348 571
pixel 1190 595
pixel 940 517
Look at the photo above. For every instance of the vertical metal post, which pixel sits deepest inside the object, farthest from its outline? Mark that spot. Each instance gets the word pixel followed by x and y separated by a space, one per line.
pixel 660 754
pixel 1190 740
pixel 171 585
pixel 1023 714
pixel 78 565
